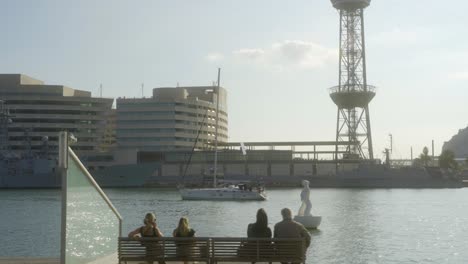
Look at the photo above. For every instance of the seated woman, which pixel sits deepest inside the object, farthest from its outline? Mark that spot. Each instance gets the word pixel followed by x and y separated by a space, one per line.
pixel 258 229
pixel 148 230
pixel 183 230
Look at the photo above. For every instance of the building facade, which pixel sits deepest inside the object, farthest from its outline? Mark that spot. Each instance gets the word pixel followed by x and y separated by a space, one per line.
pixel 38 112
pixel 174 118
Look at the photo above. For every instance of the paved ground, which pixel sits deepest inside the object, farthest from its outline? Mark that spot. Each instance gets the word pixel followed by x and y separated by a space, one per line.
pixel 4 260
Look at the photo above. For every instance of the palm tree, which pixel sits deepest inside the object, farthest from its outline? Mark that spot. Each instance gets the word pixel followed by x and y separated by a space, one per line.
pixel 447 160
pixel 424 157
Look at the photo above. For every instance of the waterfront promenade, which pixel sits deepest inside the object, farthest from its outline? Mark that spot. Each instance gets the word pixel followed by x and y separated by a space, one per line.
pixel 18 260
pixel 57 261
pixel 110 259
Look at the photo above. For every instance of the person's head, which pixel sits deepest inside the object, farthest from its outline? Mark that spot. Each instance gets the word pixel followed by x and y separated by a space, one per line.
pixel 150 218
pixel 286 213
pixel 183 222
pixel 262 218
pixel 305 183
pixel 183 226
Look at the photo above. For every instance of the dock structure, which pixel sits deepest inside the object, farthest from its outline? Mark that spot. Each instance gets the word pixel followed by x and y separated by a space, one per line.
pixel 280 162
pixel 306 150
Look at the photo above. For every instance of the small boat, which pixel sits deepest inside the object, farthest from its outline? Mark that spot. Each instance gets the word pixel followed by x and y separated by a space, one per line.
pixel 309 221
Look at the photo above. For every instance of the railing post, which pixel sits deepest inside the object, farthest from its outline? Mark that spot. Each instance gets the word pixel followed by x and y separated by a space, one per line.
pixel 258 249
pixel 303 250
pixel 207 251
pixel 211 251
pixel 164 248
pixel 62 166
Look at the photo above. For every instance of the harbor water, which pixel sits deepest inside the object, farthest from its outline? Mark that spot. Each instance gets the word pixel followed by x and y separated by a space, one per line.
pixel 358 225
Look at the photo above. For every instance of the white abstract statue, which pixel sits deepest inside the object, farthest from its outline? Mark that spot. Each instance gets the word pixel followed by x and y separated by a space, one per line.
pixel 304 217
pixel 306 205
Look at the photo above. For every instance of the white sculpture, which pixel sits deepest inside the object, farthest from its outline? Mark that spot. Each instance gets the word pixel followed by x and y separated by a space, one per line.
pixel 306 205
pixel 304 216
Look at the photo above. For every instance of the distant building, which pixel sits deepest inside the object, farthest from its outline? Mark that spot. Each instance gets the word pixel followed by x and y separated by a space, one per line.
pixel 109 140
pixel 171 119
pixel 39 111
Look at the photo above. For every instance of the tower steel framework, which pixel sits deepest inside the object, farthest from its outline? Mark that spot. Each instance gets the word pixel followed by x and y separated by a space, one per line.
pixel 353 95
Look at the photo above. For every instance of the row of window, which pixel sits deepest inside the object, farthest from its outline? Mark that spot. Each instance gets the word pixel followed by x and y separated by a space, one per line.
pixel 55 121
pixel 131 104
pixel 122 132
pixel 56 102
pixel 146 113
pixel 51 130
pixel 154 112
pixel 125 105
pixel 148 130
pixel 145 122
pixel 138 139
pixel 166 122
pixel 52 112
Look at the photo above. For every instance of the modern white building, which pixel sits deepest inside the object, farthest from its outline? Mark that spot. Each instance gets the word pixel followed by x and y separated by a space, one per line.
pixel 172 119
pixel 39 111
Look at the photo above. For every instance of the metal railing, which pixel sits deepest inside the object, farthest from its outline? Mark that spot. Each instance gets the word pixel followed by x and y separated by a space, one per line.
pixel 353 89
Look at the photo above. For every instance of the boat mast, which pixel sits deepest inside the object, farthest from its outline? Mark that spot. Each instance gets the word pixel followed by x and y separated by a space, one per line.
pixel 216 132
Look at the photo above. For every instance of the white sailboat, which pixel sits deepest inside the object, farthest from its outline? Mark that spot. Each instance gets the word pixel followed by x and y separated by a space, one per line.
pixel 229 193
pixel 239 192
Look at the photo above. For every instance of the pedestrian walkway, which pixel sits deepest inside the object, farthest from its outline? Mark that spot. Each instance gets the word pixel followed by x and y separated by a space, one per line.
pixel 20 260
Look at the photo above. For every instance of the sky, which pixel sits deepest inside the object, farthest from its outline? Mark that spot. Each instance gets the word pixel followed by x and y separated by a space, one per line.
pixel 278 59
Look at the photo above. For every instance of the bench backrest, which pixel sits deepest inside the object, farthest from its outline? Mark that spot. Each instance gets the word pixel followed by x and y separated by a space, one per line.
pixel 258 249
pixel 166 248
pixel 216 248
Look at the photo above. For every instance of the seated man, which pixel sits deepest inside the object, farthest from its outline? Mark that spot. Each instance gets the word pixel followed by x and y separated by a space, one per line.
pixel 291 229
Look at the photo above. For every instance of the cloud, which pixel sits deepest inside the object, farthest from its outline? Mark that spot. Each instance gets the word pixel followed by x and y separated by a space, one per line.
pixel 214 57
pixel 296 53
pixel 251 54
pixel 303 53
pixel 462 75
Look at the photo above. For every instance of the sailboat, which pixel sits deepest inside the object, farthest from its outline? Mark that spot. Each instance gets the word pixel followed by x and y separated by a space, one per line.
pixel 240 192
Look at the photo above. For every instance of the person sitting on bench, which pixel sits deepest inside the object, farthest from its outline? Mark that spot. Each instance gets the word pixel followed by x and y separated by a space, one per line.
pixel 183 230
pixel 148 230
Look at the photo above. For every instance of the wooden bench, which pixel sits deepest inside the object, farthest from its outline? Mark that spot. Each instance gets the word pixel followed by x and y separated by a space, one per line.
pixel 226 249
pixel 212 250
pixel 163 249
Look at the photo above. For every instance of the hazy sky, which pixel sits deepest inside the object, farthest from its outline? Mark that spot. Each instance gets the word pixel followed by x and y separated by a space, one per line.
pixel 277 57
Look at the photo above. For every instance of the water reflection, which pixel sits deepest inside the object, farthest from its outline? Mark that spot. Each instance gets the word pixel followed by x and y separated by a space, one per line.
pixel 365 226
pixel 92 228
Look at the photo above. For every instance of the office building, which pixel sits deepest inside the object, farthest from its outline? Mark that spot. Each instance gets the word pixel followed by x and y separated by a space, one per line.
pixel 172 119
pixel 39 111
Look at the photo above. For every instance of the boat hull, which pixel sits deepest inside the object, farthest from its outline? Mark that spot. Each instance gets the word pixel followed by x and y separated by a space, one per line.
pixel 29 173
pixel 221 194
